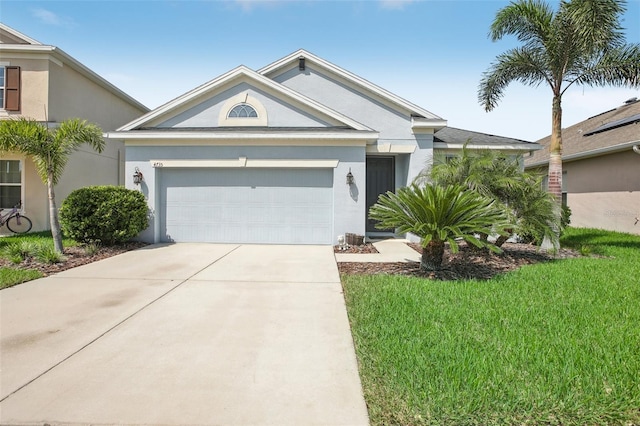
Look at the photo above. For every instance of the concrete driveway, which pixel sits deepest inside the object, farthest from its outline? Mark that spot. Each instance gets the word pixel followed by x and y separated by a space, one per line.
pixel 183 334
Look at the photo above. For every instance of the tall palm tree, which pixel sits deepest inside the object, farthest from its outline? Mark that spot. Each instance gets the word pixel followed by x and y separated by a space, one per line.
pixel 580 43
pixel 50 150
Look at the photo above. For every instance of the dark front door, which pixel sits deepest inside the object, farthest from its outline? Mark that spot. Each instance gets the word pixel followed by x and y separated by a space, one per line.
pixel 380 179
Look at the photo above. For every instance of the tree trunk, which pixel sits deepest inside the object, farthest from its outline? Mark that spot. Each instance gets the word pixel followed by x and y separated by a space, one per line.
pixel 53 216
pixel 502 239
pixel 555 150
pixel 432 256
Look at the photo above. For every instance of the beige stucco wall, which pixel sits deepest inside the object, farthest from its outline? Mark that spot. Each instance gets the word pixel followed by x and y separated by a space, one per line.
pixel 65 93
pixel 73 95
pixel 604 192
pixel 34 96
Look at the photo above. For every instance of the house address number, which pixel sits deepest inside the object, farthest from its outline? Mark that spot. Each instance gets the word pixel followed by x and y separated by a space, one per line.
pixel 158 164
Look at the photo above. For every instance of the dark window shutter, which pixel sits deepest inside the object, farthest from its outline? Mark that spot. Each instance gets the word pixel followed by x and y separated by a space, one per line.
pixel 12 89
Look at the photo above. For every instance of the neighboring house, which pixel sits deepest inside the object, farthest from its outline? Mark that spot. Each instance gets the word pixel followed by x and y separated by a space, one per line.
pixel 44 83
pixel 293 153
pixel 601 169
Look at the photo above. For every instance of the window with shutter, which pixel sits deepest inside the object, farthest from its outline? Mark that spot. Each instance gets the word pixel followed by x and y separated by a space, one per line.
pixel 12 88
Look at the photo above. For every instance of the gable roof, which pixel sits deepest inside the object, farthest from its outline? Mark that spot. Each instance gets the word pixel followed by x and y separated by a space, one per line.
pixel 13 42
pixel 611 131
pixel 10 36
pixel 453 138
pixel 240 74
pixel 420 115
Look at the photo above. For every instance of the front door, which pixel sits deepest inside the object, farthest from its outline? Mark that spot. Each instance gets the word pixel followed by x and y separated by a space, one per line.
pixel 380 179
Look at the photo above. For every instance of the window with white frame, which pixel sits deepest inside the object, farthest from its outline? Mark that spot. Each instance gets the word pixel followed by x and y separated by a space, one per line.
pixel 10 183
pixel 243 111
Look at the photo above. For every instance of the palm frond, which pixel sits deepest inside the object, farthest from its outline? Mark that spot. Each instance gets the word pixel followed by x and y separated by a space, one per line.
pixel 528 20
pixel 525 65
pixel 596 23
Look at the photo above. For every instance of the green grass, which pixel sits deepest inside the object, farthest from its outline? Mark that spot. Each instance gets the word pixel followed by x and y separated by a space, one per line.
pixel 10 276
pixel 16 247
pixel 555 343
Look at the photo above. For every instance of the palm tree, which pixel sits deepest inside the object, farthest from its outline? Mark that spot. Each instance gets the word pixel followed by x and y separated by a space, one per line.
pixel 580 43
pixel 531 209
pixel 50 150
pixel 439 215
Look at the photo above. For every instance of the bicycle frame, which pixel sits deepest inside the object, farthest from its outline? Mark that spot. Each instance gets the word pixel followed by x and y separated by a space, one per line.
pixel 13 212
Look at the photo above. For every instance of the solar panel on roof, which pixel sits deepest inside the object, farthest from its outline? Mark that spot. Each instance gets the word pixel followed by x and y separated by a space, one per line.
pixel 614 124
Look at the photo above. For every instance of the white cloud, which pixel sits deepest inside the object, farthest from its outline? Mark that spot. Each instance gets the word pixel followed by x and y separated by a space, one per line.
pixel 50 18
pixel 249 5
pixel 395 4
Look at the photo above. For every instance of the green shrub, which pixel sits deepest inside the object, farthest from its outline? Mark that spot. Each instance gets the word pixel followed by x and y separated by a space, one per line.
pixel 104 214
pixel 47 254
pixel 21 250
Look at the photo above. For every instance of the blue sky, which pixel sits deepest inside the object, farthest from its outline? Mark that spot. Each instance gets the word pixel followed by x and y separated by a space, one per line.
pixel 430 52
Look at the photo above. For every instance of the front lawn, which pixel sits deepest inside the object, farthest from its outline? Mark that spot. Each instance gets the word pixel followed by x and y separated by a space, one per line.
pixel 553 343
pixel 12 274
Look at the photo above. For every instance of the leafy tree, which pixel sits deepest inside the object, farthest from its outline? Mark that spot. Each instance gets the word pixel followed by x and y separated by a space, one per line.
pixel 50 150
pixel 531 209
pixel 439 215
pixel 580 43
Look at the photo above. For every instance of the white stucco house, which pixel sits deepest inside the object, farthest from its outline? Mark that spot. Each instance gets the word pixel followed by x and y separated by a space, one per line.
pixel 293 153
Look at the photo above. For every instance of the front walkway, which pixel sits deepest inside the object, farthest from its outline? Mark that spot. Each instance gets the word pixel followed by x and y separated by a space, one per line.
pixel 183 334
pixel 391 250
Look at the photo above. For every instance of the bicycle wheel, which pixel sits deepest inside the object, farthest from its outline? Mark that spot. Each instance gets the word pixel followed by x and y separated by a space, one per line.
pixel 19 225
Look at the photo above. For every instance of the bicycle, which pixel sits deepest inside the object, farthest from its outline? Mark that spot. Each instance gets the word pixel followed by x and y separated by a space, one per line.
pixel 16 222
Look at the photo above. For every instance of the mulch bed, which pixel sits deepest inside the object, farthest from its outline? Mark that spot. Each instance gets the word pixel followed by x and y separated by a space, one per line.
pixel 467 263
pixel 74 256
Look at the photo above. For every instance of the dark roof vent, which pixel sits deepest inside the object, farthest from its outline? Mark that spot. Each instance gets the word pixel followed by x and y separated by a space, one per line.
pixel 301 65
pixel 631 101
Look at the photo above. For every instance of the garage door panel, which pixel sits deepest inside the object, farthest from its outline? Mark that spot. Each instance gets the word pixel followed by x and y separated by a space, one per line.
pixel 279 206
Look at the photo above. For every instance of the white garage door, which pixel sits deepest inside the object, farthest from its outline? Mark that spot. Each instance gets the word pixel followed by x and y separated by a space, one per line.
pixel 273 206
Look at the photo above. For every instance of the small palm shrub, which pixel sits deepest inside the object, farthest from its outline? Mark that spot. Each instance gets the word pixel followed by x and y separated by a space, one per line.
pixel 532 210
pixel 439 215
pixel 104 214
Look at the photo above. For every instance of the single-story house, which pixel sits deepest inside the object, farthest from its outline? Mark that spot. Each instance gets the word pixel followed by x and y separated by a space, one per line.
pixel 601 169
pixel 293 153
pixel 44 83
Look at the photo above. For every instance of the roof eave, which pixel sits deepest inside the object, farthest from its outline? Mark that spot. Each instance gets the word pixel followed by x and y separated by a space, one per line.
pixel 587 154
pixel 427 125
pixel 523 147
pixel 62 57
pixel 150 135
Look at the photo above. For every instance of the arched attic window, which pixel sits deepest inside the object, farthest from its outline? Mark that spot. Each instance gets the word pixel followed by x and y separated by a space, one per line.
pixel 242 111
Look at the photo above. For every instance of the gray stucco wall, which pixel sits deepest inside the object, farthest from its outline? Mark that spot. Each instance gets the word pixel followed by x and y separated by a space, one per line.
pixel 394 127
pixel 349 202
pixel 280 114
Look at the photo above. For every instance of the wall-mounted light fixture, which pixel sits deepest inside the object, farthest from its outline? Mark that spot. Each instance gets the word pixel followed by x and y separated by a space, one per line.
pixel 137 177
pixel 349 177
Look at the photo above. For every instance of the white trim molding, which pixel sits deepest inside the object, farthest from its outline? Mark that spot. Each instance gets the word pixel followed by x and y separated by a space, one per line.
pixel 243 162
pixel 387 148
pixel 243 98
pixel 504 147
